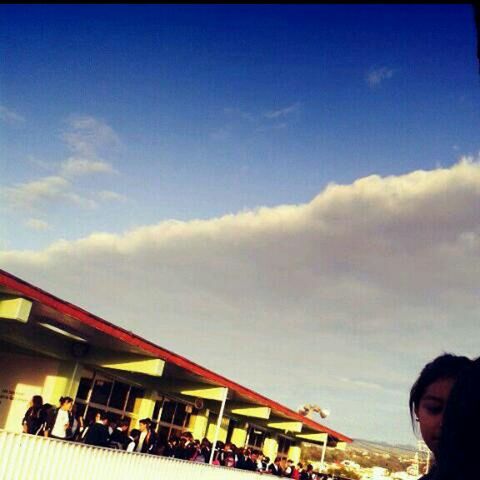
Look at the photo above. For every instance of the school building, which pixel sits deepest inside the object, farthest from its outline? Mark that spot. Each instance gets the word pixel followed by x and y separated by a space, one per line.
pixel 53 348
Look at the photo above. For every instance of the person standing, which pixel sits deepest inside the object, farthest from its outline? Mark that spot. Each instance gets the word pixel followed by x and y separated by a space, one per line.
pixel 147 440
pixel 429 396
pixel 275 468
pixel 289 469
pixel 97 433
pixel 306 474
pixel 59 420
pixel 119 437
pixel 34 418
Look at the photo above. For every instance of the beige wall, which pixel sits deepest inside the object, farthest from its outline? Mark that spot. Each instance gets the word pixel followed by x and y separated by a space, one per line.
pixel 22 377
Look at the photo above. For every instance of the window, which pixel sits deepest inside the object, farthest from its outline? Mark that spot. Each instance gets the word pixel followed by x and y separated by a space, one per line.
pixel 168 411
pixel 174 417
pixel 84 387
pixel 119 395
pixel 256 437
pixel 231 426
pixel 97 392
pixel 101 391
pixel 284 445
pixel 135 394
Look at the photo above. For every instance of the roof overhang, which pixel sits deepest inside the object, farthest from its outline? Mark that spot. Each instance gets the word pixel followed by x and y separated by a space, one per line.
pixel 130 353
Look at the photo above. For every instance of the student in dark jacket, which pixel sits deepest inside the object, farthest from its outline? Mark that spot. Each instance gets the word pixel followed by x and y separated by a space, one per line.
pixel 275 468
pixel 307 473
pixel 147 443
pixel 97 433
pixel 35 416
pixel 119 437
pixel 250 462
pixel 189 447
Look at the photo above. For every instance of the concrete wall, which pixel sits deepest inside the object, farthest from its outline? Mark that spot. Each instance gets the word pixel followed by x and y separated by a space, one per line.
pixel 24 376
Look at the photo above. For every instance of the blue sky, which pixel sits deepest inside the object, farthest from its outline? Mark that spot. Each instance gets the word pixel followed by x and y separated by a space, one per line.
pixel 115 119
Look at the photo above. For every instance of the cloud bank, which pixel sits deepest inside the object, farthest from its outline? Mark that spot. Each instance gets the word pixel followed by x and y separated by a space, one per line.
pixel 357 288
pixel 88 139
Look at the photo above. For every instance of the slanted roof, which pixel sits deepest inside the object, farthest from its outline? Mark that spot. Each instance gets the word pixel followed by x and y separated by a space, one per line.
pixel 67 312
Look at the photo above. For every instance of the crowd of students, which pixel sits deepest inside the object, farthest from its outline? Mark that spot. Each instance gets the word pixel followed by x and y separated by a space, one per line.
pixel 62 423
pixel 444 403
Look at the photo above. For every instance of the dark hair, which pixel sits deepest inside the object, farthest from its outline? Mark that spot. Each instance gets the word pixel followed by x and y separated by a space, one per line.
pixel 37 401
pixel 64 400
pixel 444 366
pixel 458 447
pixel 134 432
pixel 145 421
pixel 103 415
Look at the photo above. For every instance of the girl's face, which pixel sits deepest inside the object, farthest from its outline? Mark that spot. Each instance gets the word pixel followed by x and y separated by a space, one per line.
pixel 430 411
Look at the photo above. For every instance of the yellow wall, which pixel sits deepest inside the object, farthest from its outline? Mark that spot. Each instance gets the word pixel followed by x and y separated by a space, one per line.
pixel 198 424
pixel 24 376
pixel 222 434
pixel 294 454
pixel 239 436
pixel 143 407
pixel 270 448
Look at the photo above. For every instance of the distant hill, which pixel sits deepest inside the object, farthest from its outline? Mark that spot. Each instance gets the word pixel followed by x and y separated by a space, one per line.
pixel 367 453
pixel 383 447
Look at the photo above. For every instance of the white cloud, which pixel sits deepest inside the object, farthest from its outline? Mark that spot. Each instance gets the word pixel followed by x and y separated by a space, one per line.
pixel 109 196
pixel 74 167
pixel 88 137
pixel 37 224
pixel 366 282
pixel 283 112
pixel 9 116
pixel 30 195
pixel 40 193
pixel 377 75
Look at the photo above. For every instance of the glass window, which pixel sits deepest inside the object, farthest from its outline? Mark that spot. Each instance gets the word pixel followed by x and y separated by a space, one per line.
pixel 231 426
pixel 101 391
pixel 119 395
pixel 284 444
pixel 135 394
pixel 168 411
pixel 256 437
pixel 84 388
pixel 156 409
pixel 180 415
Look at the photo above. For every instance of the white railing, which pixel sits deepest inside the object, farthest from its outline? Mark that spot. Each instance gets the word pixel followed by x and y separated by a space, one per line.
pixel 27 457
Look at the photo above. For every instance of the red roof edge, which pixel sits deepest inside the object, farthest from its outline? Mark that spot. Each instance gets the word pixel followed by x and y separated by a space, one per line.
pixel 66 308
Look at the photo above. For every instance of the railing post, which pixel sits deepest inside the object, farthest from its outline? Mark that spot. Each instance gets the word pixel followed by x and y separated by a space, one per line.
pixel 322 463
pixel 219 422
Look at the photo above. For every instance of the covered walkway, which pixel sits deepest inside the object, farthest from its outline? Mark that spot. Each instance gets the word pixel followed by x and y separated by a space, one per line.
pixel 37 458
pixel 50 347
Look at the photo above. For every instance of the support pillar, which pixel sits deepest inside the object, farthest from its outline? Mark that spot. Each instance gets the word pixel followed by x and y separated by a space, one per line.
pixel 270 448
pixel 294 454
pixel 198 424
pixel 239 437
